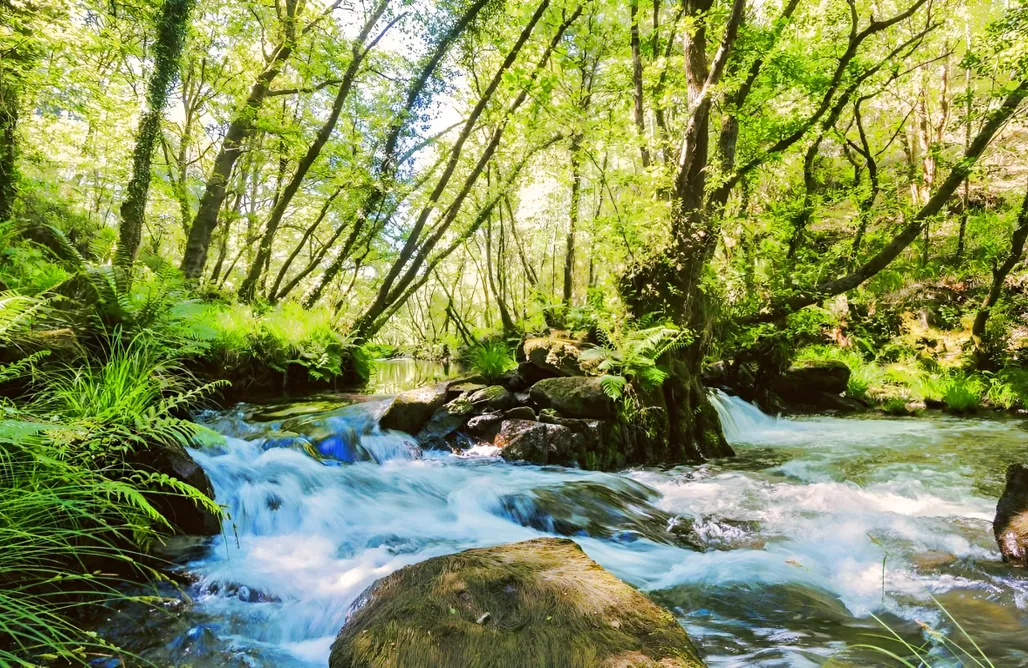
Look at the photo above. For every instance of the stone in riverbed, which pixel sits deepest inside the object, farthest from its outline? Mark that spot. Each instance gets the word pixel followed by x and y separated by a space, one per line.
pixel 538 443
pixel 185 516
pixel 520 413
pixel 444 422
pixel 484 427
pixel 574 397
pixel 815 386
pixel 410 410
pixel 493 397
pixel 548 604
pixel 1011 523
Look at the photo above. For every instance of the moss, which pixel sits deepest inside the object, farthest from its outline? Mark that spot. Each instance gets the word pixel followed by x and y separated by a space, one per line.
pixel 547 603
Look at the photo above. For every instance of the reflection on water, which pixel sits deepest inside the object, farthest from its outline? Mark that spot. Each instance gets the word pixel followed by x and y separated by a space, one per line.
pixel 396 375
pixel 778 557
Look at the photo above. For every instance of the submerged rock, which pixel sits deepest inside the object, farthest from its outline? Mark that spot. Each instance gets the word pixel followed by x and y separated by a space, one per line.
pixel 617 508
pixel 1011 523
pixel 410 410
pixel 541 602
pixel 574 397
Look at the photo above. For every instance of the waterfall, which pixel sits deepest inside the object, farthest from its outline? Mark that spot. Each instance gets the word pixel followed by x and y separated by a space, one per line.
pixel 741 421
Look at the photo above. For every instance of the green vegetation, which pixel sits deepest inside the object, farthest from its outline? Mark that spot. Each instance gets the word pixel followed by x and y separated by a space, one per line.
pixel 491 359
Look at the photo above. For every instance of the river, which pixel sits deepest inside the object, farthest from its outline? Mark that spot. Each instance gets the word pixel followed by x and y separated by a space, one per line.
pixel 781 556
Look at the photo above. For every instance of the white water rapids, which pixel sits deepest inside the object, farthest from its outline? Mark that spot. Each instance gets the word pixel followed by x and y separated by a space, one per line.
pixel 777 557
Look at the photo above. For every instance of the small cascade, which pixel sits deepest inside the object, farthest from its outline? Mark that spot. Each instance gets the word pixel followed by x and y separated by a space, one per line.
pixel 773 556
pixel 743 422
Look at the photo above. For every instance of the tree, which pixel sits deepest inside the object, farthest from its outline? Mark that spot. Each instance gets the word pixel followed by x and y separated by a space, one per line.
pixel 172 25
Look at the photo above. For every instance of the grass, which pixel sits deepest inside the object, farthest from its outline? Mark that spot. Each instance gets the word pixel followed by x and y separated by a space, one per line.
pixel 892 386
pixel 74 513
pixel 907 654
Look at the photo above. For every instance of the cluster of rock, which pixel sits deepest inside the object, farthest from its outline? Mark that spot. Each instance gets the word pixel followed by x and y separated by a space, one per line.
pixel 547 411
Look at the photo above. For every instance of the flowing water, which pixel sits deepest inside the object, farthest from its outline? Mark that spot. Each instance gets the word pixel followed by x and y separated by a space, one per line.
pixel 778 557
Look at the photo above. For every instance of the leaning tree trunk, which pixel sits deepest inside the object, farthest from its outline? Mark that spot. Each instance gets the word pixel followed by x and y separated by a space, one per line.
pixel 171 35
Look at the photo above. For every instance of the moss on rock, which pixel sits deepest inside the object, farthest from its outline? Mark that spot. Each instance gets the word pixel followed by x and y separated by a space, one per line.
pixel 536 603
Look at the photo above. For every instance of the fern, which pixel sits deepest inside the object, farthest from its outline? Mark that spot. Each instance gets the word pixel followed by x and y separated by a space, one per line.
pixel 613 386
pixel 633 355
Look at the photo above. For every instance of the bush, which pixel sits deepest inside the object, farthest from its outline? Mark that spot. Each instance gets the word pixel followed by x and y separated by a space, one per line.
pixel 490 358
pixel 962 394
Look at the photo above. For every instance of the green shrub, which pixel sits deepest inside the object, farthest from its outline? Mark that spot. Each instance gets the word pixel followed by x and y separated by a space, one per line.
pixel 962 394
pixel 490 358
pixel 631 355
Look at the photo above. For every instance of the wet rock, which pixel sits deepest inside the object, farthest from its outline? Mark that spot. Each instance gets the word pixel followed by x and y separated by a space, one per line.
pixel 484 427
pixel 513 380
pixel 184 515
pixel 574 397
pixel 932 559
pixel 815 386
pixel 287 440
pixel 493 397
pixel 532 374
pixel 520 413
pixel 409 411
pixel 615 509
pixel 1011 523
pixel 538 443
pixel 444 422
pixel 548 604
pixel 554 355
pixel 457 390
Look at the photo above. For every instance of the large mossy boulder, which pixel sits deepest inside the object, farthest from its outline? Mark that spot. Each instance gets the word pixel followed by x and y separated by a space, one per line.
pixel 410 410
pixel 574 397
pixel 814 386
pixel 1011 523
pixel 541 602
pixel 494 397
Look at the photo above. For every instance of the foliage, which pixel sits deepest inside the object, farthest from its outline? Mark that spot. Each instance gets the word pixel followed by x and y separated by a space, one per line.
pixel 491 358
pixel 632 355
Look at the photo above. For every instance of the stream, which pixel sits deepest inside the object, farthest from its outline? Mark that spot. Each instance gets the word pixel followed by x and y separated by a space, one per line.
pixel 782 556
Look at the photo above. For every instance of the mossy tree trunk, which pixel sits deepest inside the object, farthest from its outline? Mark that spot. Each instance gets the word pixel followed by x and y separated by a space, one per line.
pixel 8 145
pixel 172 26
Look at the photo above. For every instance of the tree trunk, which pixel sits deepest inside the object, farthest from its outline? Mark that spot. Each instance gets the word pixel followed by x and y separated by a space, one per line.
pixel 575 207
pixel 171 35
pixel 8 144
pixel 248 287
pixel 389 163
pixel 416 250
pixel 637 82
pixel 999 277
pixel 198 240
